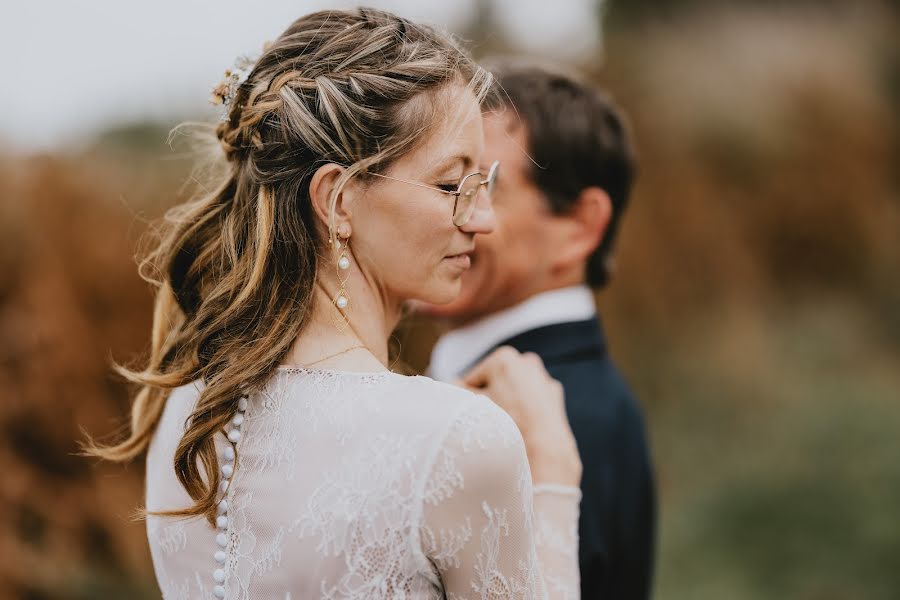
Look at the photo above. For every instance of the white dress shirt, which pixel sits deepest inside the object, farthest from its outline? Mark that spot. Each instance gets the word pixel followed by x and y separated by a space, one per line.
pixel 459 349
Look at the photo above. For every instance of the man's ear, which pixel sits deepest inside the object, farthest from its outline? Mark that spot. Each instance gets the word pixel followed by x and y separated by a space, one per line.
pixel 321 186
pixel 589 217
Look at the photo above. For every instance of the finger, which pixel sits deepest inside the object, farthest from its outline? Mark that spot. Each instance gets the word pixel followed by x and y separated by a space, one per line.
pixel 536 362
pixel 488 369
pixel 481 391
pixel 477 377
pixel 494 366
pixel 484 390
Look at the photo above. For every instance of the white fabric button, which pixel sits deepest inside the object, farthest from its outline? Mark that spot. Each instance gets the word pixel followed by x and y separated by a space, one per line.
pixel 219 591
pixel 222 539
pixel 234 435
pixel 242 404
pixel 229 453
pixel 227 471
pixel 221 521
pixel 223 506
pixel 238 420
pixel 220 556
pixel 219 575
pixel 223 486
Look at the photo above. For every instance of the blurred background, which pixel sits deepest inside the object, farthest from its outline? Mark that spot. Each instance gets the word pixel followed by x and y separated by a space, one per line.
pixel 756 307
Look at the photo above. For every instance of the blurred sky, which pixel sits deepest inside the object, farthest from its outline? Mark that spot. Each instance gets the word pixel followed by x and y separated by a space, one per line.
pixel 75 67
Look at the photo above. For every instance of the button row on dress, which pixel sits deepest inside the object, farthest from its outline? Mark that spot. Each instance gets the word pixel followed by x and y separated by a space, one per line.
pixel 234 435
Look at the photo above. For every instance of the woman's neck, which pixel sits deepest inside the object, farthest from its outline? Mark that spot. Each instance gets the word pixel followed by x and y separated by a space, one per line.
pixel 354 339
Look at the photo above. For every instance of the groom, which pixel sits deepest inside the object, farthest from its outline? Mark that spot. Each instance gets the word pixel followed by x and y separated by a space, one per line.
pixel 566 174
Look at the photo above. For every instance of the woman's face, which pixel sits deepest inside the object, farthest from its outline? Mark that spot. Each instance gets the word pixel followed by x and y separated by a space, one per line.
pixel 403 236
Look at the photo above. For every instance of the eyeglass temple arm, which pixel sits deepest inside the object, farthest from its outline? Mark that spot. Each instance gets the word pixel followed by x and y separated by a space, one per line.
pixel 492 173
pixel 416 183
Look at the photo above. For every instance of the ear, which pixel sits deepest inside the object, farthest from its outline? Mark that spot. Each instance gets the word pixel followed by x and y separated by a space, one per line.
pixel 323 183
pixel 588 219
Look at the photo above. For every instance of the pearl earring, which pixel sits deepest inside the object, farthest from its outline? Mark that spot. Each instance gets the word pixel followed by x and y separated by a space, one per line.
pixel 342 300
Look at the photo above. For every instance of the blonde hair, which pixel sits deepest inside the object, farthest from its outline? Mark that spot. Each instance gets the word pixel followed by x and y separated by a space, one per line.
pixel 235 269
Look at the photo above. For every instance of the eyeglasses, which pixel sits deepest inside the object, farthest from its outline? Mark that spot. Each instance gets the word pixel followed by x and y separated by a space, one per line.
pixel 465 194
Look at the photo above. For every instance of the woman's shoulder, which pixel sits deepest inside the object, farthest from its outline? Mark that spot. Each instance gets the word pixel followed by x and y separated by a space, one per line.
pixel 479 453
pixel 464 404
pixel 458 416
pixel 389 387
pixel 412 392
pixel 474 422
pixel 438 391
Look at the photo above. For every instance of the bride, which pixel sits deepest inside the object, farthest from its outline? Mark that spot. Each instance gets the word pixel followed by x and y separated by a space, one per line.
pixel 284 458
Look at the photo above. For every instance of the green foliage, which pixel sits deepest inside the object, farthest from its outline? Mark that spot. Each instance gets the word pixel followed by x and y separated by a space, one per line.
pixel 782 481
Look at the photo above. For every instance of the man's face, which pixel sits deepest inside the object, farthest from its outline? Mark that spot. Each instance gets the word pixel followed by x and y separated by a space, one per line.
pixel 511 263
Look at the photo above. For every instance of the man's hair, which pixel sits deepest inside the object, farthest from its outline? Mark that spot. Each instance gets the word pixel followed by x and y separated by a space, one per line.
pixel 577 137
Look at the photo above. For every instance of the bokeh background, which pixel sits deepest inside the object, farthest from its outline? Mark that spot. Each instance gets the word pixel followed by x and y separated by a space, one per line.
pixel 756 307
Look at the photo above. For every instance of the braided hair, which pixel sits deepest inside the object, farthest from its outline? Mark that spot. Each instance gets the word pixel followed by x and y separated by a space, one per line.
pixel 235 269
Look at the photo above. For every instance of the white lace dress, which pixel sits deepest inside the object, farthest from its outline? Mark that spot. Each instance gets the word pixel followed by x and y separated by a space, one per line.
pixel 364 486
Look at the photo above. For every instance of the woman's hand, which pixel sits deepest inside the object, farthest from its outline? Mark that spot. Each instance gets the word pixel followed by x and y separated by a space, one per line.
pixel 521 386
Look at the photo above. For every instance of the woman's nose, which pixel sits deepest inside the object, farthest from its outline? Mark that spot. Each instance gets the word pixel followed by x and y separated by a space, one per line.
pixel 483 219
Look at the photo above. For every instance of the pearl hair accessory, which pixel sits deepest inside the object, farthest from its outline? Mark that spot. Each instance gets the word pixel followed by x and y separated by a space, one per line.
pixel 222 520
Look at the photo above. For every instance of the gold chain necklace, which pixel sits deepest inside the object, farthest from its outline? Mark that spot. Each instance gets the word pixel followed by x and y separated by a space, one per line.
pixel 356 347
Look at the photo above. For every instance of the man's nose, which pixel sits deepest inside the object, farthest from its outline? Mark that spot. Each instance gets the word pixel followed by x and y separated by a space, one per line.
pixel 483 219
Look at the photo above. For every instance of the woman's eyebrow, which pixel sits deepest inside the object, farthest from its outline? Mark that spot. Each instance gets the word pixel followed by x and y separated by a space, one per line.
pixel 451 161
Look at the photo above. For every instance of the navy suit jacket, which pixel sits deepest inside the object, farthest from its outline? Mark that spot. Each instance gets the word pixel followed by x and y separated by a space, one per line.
pixel 617 527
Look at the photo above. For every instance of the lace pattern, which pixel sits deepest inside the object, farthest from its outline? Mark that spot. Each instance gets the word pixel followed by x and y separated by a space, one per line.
pixel 366 486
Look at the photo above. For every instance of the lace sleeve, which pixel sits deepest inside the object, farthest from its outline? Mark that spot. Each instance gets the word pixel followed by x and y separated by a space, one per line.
pixel 485 530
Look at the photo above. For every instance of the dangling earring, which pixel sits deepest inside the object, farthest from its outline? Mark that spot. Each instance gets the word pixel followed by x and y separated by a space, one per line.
pixel 342 300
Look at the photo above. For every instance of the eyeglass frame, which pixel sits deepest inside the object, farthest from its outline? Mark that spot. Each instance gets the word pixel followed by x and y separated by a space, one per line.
pixel 488 183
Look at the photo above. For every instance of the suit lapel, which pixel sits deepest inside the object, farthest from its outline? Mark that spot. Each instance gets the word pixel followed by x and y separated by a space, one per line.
pixel 558 343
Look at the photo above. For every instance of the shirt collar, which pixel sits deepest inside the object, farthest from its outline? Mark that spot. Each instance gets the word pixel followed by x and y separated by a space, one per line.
pixel 460 348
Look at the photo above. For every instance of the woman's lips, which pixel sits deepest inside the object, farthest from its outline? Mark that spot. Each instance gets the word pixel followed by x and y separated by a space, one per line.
pixel 462 261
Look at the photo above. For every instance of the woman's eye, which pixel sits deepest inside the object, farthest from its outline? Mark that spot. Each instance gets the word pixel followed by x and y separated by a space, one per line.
pixel 448 187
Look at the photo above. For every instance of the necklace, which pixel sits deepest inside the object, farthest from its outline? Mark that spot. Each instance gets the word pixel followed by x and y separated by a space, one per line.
pixel 356 347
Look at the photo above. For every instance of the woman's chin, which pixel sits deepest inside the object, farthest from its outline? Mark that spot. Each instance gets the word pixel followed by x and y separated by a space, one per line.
pixel 443 293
